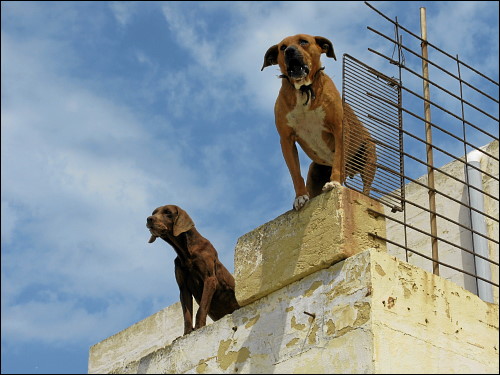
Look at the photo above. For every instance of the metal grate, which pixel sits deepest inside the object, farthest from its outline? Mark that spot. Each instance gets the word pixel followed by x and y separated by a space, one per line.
pixel 437 176
pixel 373 99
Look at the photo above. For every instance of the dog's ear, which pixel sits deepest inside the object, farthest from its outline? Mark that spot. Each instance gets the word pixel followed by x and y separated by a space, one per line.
pixel 271 57
pixel 326 46
pixel 182 222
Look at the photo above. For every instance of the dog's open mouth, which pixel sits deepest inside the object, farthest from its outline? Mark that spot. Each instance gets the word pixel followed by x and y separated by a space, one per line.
pixel 296 69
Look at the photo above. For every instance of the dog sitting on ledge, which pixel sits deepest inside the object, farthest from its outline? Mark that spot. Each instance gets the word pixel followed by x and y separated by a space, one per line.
pixel 198 270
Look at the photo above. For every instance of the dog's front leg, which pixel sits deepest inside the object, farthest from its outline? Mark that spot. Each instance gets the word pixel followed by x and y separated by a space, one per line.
pixel 291 155
pixel 209 287
pixel 186 300
pixel 187 310
pixel 337 176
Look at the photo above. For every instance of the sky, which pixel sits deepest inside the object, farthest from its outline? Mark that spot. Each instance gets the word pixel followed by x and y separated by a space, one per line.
pixel 111 109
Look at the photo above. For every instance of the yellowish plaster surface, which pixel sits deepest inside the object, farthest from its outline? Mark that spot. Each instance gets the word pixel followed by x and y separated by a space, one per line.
pixel 370 313
pixel 330 228
pixel 425 323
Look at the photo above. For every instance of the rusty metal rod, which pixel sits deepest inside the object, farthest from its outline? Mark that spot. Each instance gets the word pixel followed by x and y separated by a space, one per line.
pixel 446 131
pixel 446 217
pixel 432 45
pixel 428 234
pixel 434 64
pixel 374 235
pixel 440 87
pixel 460 159
pixel 447 196
pixel 373 108
pixel 428 136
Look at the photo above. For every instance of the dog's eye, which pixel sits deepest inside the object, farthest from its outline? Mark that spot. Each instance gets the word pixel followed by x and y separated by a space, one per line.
pixel 283 47
pixel 303 42
pixel 168 213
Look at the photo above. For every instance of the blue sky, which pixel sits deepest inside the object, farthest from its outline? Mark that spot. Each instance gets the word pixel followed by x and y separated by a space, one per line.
pixel 112 109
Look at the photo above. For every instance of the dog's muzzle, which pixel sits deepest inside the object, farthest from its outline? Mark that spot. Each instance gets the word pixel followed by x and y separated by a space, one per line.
pixel 149 222
pixel 149 225
pixel 295 66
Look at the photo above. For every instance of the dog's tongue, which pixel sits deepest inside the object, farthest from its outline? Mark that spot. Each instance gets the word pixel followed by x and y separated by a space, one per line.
pixel 152 239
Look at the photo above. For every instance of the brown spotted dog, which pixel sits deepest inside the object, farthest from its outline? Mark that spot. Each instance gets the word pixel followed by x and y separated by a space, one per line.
pixel 309 111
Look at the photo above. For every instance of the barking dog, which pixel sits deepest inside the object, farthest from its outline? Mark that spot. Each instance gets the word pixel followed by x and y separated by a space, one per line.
pixel 309 111
pixel 198 271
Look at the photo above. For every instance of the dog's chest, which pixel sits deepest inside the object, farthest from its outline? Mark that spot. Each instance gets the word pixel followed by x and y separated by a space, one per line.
pixel 309 127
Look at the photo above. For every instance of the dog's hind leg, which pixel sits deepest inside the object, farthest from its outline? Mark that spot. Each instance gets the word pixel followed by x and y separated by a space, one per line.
pixel 317 177
pixel 369 167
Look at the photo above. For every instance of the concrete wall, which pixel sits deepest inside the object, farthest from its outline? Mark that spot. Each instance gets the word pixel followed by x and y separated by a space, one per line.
pixel 330 228
pixel 155 332
pixel 370 313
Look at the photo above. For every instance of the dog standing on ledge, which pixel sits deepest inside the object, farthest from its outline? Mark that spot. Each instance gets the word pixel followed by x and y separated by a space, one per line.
pixel 198 271
pixel 309 111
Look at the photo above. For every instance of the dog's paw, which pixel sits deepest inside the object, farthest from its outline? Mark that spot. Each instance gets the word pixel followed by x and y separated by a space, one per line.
pixel 300 202
pixel 331 185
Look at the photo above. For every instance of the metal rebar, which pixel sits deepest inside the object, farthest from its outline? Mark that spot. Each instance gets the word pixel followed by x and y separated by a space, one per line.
pixel 435 65
pixel 359 80
pixel 376 236
pixel 376 100
pixel 493 157
pixel 428 136
pixel 437 238
pixel 432 45
pixel 441 87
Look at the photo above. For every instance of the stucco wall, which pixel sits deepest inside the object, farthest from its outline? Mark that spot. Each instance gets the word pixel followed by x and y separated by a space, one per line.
pixel 370 313
pixel 330 228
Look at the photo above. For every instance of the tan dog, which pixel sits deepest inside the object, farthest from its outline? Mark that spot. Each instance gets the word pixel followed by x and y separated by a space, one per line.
pixel 309 111
pixel 198 271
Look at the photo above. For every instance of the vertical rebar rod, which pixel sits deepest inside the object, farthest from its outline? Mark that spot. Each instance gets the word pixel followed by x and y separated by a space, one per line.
pixel 399 39
pixel 428 136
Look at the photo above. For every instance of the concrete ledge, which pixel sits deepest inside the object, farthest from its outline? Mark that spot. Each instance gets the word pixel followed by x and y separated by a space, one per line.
pixel 330 228
pixel 139 340
pixel 370 313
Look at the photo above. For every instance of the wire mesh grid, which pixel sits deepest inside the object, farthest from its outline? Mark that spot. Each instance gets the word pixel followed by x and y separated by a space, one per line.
pixel 373 99
pixel 437 176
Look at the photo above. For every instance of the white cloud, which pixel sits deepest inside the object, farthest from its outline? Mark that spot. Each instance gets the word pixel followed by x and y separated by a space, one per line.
pixel 234 54
pixel 66 322
pixel 82 176
pixel 123 11
pixel 455 28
